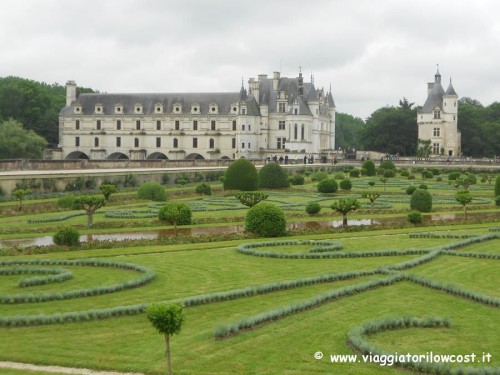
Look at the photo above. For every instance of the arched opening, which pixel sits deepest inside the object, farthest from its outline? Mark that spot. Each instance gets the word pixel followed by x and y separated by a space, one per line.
pixel 157 156
pixel 195 156
pixel 176 143
pixel 75 155
pixel 118 156
pixel 211 143
pixel 226 157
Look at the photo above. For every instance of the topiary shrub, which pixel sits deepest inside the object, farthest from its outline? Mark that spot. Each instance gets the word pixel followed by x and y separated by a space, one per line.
pixel 339 176
pixel 386 164
pixel 69 202
pixel 370 168
pixel 319 176
pixel 152 191
pixel 175 214
pixel 203 189
pixel 328 185
pixel 411 189
pixel 241 175
pixel 388 173
pixel 497 186
pixel 404 173
pixel 497 200
pixel 423 186
pixel 371 183
pixel 414 217
pixel 345 184
pixel 363 171
pixel 354 173
pixel 421 200
pixel 411 177
pixel 454 176
pixel 435 171
pixel 273 176
pixel 266 220
pixel 67 237
pixel 427 174
pixel 313 208
pixel 297 179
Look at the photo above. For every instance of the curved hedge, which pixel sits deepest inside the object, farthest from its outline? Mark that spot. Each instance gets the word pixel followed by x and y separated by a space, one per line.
pixel 241 175
pixel 273 176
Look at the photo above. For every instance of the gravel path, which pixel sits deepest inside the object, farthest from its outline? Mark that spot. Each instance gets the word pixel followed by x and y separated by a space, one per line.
pixel 61 370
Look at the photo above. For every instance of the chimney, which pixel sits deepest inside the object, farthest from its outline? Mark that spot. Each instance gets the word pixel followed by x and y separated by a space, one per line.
pixel 254 87
pixel 430 86
pixel 70 92
pixel 262 77
pixel 276 80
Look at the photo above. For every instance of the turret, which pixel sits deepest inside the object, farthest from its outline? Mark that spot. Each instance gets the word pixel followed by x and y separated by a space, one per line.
pixel 276 81
pixel 70 92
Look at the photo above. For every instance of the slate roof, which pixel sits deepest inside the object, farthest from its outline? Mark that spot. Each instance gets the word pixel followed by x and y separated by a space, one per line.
pixel 450 90
pixel 435 99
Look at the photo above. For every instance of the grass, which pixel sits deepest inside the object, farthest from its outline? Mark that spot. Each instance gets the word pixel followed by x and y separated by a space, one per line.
pixel 283 346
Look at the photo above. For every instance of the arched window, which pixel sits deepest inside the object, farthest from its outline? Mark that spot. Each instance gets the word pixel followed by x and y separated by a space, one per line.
pixel 96 142
pixel 211 143
pixel 295 132
pixel 136 142
pixel 176 143
pixel 302 133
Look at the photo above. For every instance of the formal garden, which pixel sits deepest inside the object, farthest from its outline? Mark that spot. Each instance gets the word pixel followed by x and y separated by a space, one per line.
pixel 274 271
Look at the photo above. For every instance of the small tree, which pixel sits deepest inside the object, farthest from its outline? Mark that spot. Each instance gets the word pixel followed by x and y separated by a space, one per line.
pixel 176 214
pixel 344 206
pixel 313 208
pixel 20 194
pixel 107 190
pixel 167 320
pixel 464 198
pixel 90 204
pixel 384 181
pixel 372 197
pixel 251 198
pixel 497 186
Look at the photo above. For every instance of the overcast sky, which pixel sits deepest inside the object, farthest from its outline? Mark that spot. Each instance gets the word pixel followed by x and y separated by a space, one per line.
pixel 373 53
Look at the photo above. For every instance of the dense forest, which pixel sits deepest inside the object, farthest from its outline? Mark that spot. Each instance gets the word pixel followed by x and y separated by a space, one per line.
pixel 29 113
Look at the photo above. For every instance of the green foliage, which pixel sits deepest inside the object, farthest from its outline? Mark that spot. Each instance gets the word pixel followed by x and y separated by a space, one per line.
pixel 339 176
pixel 427 174
pixel 421 200
pixel 266 220
pixel 369 165
pixel 371 183
pixel 354 172
pixel 344 206
pixel 251 198
pixel 387 164
pixel 166 319
pixel 273 176
pixel 241 175
pixel 415 217
pixel 346 184
pixel 90 204
pixel 203 189
pixel 130 180
pixel 435 171
pixel 411 189
pixel 389 173
pixel 328 185
pixel 404 173
pixel 165 178
pixel 423 186
pixel 372 197
pixel 68 202
pixel 20 194
pixel 319 176
pixel 107 190
pixel 313 208
pixel 67 237
pixel 497 186
pixel 297 179
pixel 176 213
pixel 454 176
pixel 497 200
pixel 16 142
pixel 152 191
pixel 347 130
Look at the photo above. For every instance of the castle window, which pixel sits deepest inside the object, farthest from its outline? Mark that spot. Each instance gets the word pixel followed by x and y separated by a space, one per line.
pixel 78 109
pixel 118 109
pixel 435 148
pixel 118 124
pixel 98 125
pixel 295 131
pixel 437 114
pixel 212 125
pixel 280 143
pixel 176 143
pixel 138 108
pixel 233 142
pixel 234 125
pixel 281 125
pixel 136 142
pixel 77 125
pixel 77 141
pixel 302 132
pixel 158 142
pixel 96 142
pixel 243 111
pixel 243 127
pixel 195 125
pixel 158 124
pixel 249 127
pixel 281 107
pixel 242 144
pixel 248 144
pixel 195 142
pixel 211 143
pixel 177 124
pixel 159 108
pixel 118 141
pixel 295 111
pixel 138 124
pixel 437 132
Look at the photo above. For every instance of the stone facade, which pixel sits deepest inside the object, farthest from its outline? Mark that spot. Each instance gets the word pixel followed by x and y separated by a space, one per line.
pixel 437 119
pixel 279 116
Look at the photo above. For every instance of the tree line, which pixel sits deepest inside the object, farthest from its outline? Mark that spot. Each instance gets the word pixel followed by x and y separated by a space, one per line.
pixel 29 112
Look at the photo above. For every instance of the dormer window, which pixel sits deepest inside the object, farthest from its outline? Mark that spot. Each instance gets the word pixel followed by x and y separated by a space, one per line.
pixel 138 108
pixel 158 108
pixel 118 108
pixel 214 109
pixel 78 109
pixel 195 109
pixel 437 114
pixel 177 108
pixel 99 108
pixel 282 107
pixel 243 111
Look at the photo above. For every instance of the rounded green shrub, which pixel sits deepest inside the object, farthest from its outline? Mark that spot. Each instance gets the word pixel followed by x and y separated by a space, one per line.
pixel 497 186
pixel 339 176
pixel 175 213
pixel 371 183
pixel 411 189
pixel 435 171
pixel 421 200
pixel 241 175
pixel 427 174
pixel 273 176
pixel 319 176
pixel 328 185
pixel 454 176
pixel 67 237
pixel 411 177
pixel 346 184
pixel 354 173
pixel 389 173
pixel 266 220
pixel 69 202
pixel 313 208
pixel 497 200
pixel 203 189
pixel 152 191
pixel 414 217
pixel 423 186
pixel 369 165
pixel 297 179
pixel 404 173
pixel 387 164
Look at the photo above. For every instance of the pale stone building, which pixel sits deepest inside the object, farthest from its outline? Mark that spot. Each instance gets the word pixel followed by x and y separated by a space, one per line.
pixel 276 116
pixel 437 119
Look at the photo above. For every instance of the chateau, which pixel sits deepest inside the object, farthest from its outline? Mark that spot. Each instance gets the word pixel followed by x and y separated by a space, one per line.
pixel 437 119
pixel 277 116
